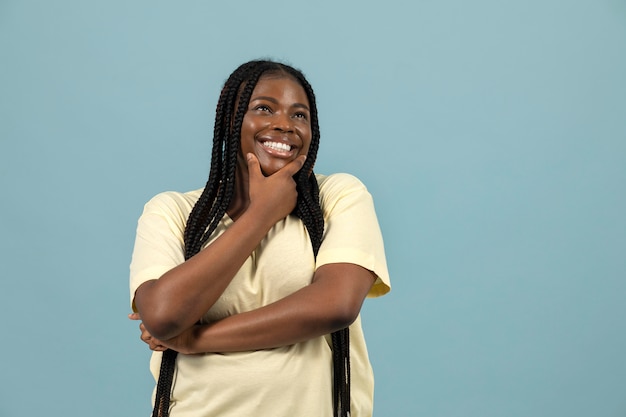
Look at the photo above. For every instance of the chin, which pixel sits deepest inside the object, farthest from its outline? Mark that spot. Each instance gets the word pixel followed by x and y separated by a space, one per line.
pixel 271 168
pixel 267 171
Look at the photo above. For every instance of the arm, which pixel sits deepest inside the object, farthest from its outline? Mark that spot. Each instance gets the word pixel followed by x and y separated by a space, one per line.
pixel 177 300
pixel 330 303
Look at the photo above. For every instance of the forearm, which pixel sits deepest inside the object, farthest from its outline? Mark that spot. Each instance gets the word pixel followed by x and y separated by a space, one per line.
pixel 279 324
pixel 321 308
pixel 178 299
pixel 181 296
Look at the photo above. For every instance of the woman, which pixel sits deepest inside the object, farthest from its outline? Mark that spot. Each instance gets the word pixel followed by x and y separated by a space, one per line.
pixel 248 277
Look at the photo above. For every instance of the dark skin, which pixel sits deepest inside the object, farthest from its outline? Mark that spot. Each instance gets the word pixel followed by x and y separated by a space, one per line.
pixel 276 135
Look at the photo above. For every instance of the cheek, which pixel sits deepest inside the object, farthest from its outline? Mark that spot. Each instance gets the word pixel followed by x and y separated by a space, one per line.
pixel 247 133
pixel 306 136
pixel 308 146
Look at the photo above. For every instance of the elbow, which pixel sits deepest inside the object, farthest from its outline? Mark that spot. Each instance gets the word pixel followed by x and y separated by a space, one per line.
pixel 161 319
pixel 163 329
pixel 342 310
pixel 160 322
pixel 343 316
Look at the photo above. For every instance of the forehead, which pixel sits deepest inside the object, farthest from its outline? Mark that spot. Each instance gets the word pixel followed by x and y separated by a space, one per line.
pixel 282 87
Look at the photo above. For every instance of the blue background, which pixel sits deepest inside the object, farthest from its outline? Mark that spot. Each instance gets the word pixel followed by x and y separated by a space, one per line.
pixel 492 135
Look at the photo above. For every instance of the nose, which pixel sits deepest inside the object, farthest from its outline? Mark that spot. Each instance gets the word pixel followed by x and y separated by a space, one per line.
pixel 282 122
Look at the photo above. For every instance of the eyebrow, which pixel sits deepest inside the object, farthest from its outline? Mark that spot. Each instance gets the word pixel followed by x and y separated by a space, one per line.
pixel 273 100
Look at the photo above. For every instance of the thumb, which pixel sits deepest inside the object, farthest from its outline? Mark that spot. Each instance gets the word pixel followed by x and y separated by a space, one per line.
pixel 254 167
pixel 294 166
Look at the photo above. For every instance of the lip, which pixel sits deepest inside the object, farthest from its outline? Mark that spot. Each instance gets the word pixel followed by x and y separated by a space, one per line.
pixel 275 152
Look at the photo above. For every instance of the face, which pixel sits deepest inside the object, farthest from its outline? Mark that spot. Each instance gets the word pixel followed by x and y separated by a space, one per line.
pixel 277 126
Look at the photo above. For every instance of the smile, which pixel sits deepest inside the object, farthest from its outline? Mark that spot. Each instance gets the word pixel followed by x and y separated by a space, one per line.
pixel 278 146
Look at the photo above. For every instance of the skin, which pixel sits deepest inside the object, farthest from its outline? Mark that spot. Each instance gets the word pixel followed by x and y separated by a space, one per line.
pixel 170 307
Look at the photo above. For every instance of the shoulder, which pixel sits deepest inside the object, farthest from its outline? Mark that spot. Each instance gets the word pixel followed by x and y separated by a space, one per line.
pixel 340 182
pixel 172 203
pixel 342 193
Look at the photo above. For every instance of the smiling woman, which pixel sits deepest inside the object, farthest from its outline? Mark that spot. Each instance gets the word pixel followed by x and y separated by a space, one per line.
pixel 276 129
pixel 277 126
pixel 249 290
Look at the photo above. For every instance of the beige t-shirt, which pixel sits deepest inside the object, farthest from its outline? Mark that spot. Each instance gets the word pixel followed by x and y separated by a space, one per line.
pixel 289 381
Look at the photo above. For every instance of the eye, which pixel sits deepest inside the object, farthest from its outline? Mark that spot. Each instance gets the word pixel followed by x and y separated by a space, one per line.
pixel 262 107
pixel 301 115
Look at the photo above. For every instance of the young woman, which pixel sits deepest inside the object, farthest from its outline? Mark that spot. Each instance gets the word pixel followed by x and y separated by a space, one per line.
pixel 249 290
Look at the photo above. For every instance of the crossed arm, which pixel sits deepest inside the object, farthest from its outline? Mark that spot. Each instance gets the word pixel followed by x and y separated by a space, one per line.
pixel 330 303
pixel 171 306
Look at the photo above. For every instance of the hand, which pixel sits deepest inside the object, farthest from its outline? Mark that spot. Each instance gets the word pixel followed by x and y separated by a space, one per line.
pixel 181 343
pixel 153 343
pixel 275 196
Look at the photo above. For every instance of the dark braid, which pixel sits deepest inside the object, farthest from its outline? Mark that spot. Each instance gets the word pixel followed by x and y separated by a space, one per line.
pixel 217 195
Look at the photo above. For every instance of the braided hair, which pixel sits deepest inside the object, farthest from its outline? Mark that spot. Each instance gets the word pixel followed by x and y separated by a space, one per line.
pixel 217 195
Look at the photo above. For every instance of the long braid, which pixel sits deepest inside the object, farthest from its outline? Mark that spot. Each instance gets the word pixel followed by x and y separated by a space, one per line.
pixel 201 222
pixel 164 385
pixel 217 195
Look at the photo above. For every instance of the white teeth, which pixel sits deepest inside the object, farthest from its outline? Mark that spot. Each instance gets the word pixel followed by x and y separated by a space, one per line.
pixel 277 145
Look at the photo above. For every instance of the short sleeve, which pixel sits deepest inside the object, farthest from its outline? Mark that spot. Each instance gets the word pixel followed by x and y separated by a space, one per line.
pixel 352 234
pixel 159 239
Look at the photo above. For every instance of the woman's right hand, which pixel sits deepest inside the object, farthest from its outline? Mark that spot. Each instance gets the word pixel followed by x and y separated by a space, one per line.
pixel 176 301
pixel 274 197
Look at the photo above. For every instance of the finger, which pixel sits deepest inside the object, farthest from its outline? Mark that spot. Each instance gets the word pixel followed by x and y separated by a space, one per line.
pixel 254 167
pixel 155 344
pixel 294 166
